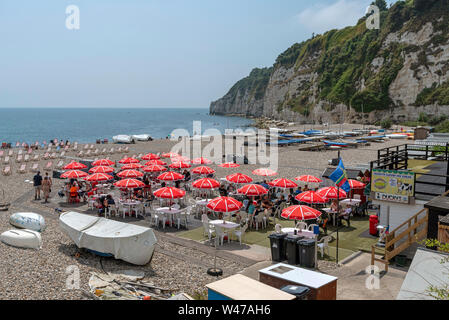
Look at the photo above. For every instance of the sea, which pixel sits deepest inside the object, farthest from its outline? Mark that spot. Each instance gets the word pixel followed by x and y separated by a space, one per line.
pixel 89 124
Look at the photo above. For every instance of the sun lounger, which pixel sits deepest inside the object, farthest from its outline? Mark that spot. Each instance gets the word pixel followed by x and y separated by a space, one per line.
pixel 126 150
pixel 6 160
pixel 6 171
pixel 91 147
pixel 46 156
pixel 104 151
pixel 26 158
pixel 20 152
pixel 86 146
pixel 17 144
pixel 30 151
pixel 19 158
pixel 119 150
pixel 35 167
pixel 60 164
pixel 36 157
pixel 22 169
pixel 88 153
pixel 48 166
pixel 75 146
pixel 111 151
pixel 1 153
pixel 49 149
pixel 96 152
pixel 10 153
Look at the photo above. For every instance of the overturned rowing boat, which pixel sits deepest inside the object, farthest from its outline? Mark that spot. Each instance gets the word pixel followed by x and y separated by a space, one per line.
pixel 127 242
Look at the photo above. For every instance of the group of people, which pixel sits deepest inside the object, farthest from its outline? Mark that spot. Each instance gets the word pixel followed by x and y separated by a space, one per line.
pixel 42 184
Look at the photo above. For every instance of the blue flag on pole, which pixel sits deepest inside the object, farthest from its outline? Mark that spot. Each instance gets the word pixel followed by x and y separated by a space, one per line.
pixel 340 178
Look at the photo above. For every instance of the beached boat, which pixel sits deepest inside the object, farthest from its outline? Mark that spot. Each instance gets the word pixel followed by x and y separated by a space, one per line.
pixel 28 220
pixel 123 138
pixel 127 242
pixel 22 238
pixel 397 136
pixel 142 137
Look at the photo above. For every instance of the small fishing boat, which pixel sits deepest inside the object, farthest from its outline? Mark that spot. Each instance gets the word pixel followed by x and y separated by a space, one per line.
pixel 127 242
pixel 142 137
pixel 22 238
pixel 335 144
pixel 397 136
pixel 123 138
pixel 28 220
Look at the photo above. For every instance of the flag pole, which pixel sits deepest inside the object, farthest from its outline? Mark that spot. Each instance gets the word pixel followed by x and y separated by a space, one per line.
pixel 338 211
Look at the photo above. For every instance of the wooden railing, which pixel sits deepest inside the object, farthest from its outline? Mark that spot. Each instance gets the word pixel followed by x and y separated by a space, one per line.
pixel 410 235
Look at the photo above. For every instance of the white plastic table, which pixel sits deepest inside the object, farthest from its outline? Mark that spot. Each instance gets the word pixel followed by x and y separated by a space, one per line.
pixel 170 212
pixel 221 224
pixel 131 204
pixel 300 232
pixel 351 202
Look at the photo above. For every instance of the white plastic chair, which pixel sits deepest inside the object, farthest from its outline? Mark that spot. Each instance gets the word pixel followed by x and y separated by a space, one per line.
pixel 220 234
pixel 241 232
pixel 310 228
pixel 209 229
pixel 301 225
pixel 278 228
pixel 323 245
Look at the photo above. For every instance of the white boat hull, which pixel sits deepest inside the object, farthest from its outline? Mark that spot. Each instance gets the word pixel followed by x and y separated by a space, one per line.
pixel 141 137
pixel 22 238
pixel 397 136
pixel 28 220
pixel 127 242
pixel 122 139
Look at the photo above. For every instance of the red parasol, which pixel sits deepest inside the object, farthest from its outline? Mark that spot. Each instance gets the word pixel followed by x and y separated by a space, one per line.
pixel 239 178
pixel 101 169
pixel 158 162
pixel 300 213
pixel 309 179
pixel 129 183
pixel 74 174
pixel 311 197
pixel 180 165
pixel 170 155
pixel 150 156
pixel 99 177
pixel 332 193
pixel 355 184
pixel 169 193
pixel 170 176
pixel 129 160
pixel 103 162
pixel 130 174
pixel 203 170
pixel 224 204
pixel 131 166
pixel 154 168
pixel 252 190
pixel 206 183
pixel 201 161
pixel 75 166
pixel 283 183
pixel 229 165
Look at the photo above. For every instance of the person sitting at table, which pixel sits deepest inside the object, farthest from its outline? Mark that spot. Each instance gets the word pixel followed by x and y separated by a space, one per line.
pixel 298 191
pixel 306 188
pixel 223 191
pixel 292 200
pixel 335 207
pixel 265 184
pixel 267 205
pixel 82 191
pixel 139 195
pixel 147 186
pixel 279 201
pixel 346 215
pixel 230 189
pixel 107 202
pixel 100 205
pixel 324 218
pixel 74 193
pixel 186 175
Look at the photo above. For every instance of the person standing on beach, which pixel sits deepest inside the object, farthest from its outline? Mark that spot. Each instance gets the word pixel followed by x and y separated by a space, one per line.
pixel 37 182
pixel 46 188
pixel 49 180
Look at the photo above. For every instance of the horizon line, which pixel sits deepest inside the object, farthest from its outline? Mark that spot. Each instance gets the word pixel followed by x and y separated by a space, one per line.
pixel 104 107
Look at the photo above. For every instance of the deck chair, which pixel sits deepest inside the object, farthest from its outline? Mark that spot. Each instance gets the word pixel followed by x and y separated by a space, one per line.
pixel 20 152
pixel 111 151
pixel 53 155
pixel 11 153
pixel 104 151
pixel 1 153
pixel 36 157
pixel 62 155
pixel 19 158
pixel 75 146
pixel 80 154
pixel 86 146
pixel 22 169
pixel 6 160
pixel 119 150
pixel 301 225
pixel 48 166
pixel 91 147
pixel 46 156
pixel 87 153
pixel 126 150
pixel 34 167
pixel 60 164
pixel 26 158
pixel 6 171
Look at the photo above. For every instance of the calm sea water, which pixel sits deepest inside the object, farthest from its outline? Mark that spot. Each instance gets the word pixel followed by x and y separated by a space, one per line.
pixel 87 125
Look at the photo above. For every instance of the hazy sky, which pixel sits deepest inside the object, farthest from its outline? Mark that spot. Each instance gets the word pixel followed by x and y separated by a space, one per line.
pixel 149 53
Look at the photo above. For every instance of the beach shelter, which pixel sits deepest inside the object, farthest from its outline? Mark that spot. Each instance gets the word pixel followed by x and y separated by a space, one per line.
pixel 170 176
pixel 169 193
pixel 283 183
pixel 229 165
pixel 129 160
pixel 203 170
pixel 264 172
pixel 308 179
pixel 101 169
pixel 74 174
pixel 311 197
pixel 224 204
pixel 98 177
pixel 154 168
pixel 129 183
pixel 300 213
pixel 103 162
pixel 252 190
pixel 206 183
pixel 75 166
pixel 239 178
pixel 130 174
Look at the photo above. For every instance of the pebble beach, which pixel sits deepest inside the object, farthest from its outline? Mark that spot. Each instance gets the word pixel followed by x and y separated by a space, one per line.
pixel 41 274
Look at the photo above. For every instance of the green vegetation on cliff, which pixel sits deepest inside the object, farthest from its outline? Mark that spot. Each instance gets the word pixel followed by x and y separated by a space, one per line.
pixel 354 66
